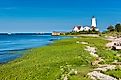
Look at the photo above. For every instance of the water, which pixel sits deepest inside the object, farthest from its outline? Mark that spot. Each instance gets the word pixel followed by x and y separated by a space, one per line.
pixel 12 46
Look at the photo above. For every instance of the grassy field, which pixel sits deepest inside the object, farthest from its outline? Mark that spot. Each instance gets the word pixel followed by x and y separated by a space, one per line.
pixel 46 63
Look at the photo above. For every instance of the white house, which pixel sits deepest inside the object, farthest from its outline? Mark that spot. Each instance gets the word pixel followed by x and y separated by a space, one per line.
pixel 77 28
pixel 86 28
pixel 81 29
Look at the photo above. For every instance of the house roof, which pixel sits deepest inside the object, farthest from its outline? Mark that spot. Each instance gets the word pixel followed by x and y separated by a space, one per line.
pixel 79 27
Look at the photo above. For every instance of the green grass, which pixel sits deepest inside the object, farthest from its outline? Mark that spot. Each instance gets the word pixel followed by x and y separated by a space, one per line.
pixel 102 51
pixel 115 73
pixel 44 63
pixel 113 33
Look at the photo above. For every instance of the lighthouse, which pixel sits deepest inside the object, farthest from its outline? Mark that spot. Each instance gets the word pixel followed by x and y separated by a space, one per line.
pixel 93 25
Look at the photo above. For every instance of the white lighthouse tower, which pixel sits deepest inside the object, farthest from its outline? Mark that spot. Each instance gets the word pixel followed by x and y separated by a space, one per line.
pixel 93 25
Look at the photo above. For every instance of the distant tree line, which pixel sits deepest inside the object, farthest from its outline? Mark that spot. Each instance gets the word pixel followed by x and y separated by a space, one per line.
pixel 116 28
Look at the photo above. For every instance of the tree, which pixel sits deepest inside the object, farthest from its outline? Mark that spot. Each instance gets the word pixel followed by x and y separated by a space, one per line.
pixel 110 28
pixel 118 27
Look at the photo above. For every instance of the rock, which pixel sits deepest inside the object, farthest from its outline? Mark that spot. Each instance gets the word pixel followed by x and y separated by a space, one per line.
pixel 100 59
pixel 77 42
pixel 81 42
pixel 118 47
pixel 116 63
pixel 118 55
pixel 65 78
pixel 105 67
pixel 76 72
pixel 115 44
pixel 72 72
pixel 92 51
pixel 95 63
pixel 110 38
pixel 100 76
pixel 94 55
pixel 110 44
pixel 84 43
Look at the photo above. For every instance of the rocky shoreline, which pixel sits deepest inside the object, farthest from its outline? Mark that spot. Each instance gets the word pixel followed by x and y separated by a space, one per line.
pixel 97 73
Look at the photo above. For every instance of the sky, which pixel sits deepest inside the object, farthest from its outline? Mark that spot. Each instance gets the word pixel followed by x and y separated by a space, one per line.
pixel 56 15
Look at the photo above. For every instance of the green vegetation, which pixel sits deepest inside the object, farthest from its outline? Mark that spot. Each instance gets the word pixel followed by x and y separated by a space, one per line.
pixel 116 28
pixel 111 28
pixel 46 63
pixel 112 31
pixel 115 73
pixel 82 32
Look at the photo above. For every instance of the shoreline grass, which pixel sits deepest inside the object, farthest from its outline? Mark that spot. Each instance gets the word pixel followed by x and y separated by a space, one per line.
pixel 44 63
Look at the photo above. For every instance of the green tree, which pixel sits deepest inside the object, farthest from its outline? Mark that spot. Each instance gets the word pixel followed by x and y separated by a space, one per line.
pixel 118 27
pixel 110 28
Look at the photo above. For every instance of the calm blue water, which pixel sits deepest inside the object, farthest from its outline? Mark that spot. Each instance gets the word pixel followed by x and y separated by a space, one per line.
pixel 12 46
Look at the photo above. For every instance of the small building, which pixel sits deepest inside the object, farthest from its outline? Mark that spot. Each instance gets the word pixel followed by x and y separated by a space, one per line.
pixel 77 28
pixel 54 33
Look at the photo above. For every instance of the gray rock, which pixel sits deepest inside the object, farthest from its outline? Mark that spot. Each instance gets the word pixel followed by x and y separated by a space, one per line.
pixel 100 76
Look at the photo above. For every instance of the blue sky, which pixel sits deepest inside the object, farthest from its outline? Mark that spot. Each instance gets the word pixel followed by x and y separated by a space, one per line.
pixel 56 15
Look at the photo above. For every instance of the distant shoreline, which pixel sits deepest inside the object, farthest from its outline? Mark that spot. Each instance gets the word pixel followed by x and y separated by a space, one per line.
pixel 25 33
